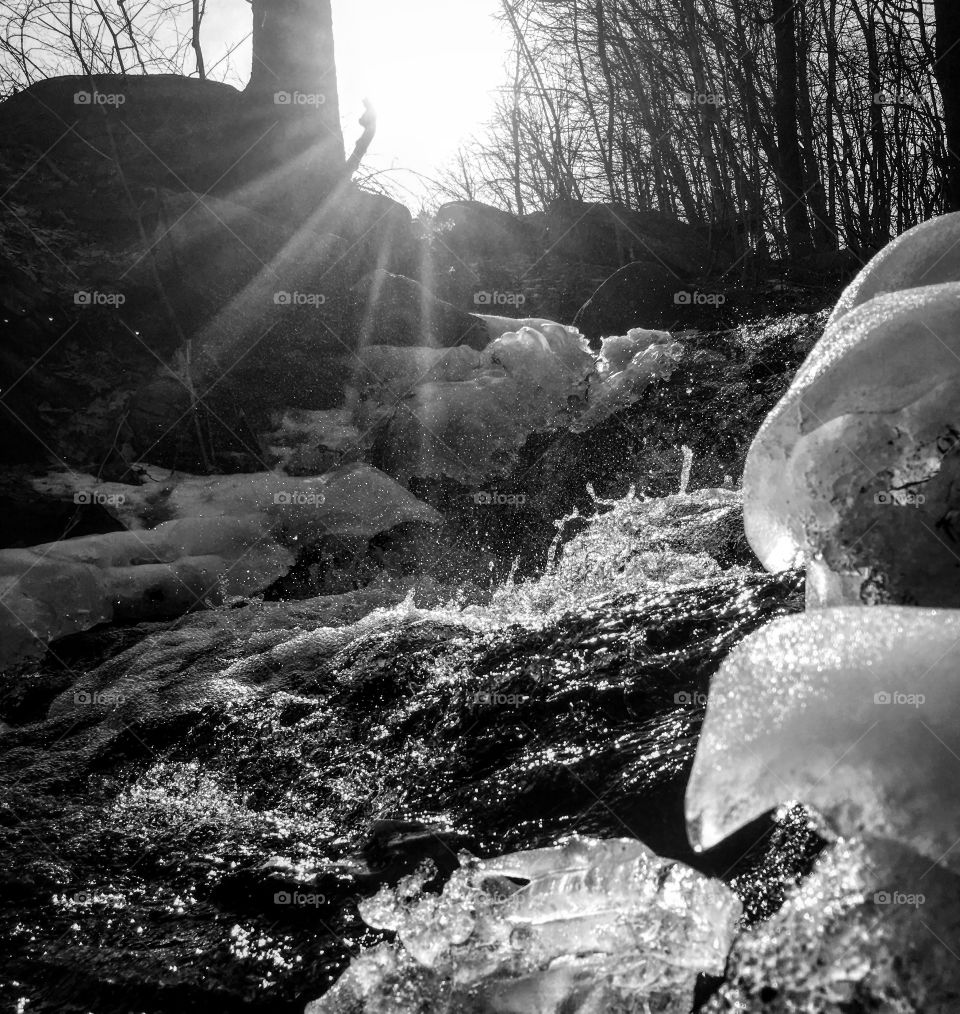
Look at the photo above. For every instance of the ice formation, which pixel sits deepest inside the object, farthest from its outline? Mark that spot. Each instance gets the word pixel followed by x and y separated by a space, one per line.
pixel 587 926
pixel 221 536
pixel 928 254
pixel 356 500
pixel 852 711
pixel 872 928
pixel 464 414
pixel 855 471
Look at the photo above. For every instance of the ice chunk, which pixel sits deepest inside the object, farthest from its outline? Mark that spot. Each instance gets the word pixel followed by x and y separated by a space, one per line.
pixel 928 254
pixel 856 469
pixel 498 326
pixel 872 928
pixel 618 390
pixel 617 351
pixel 226 536
pixel 585 926
pixel 432 413
pixel 852 711
pixel 357 500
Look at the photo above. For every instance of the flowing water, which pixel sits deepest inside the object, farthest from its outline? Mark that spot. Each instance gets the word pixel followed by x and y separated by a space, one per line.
pixel 192 825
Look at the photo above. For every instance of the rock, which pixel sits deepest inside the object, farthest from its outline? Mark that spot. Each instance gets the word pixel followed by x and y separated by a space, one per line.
pixel 392 310
pixel 855 469
pixel 377 231
pixel 596 925
pixel 189 785
pixel 170 131
pixel 31 516
pixel 397 371
pixel 219 537
pixel 925 255
pixel 258 291
pixel 640 294
pixel 474 231
pixel 851 711
pixel 612 235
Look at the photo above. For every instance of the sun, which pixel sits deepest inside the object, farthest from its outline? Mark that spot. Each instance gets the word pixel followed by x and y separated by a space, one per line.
pixel 432 69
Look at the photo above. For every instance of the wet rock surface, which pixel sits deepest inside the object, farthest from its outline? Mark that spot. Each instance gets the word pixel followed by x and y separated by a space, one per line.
pixel 198 814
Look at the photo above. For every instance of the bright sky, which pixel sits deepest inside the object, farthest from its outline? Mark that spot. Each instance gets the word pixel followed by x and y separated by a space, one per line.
pixel 431 67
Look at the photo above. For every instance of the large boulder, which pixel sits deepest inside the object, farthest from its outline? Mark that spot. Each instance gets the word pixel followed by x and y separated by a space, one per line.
pixel 390 309
pixel 473 230
pixel 612 235
pixel 171 288
pixel 640 294
pixel 167 130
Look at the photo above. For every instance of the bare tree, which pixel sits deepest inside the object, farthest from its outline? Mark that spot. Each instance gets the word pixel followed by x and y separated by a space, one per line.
pixel 947 66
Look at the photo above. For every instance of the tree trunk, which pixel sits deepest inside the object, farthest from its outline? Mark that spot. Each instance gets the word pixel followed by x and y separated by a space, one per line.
pixel 947 70
pixel 292 94
pixel 790 169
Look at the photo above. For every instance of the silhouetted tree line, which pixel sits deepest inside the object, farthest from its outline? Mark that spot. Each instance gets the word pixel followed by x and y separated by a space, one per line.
pixel 792 127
